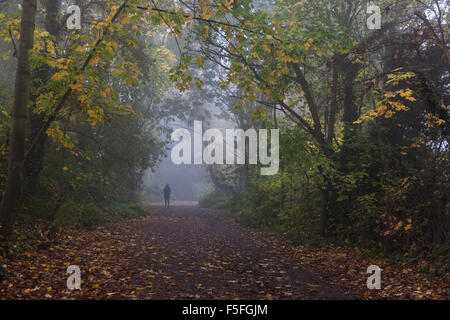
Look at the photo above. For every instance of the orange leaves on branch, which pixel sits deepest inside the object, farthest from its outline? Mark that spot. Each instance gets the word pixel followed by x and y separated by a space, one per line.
pixel 435 121
pixel 95 116
pixel 59 136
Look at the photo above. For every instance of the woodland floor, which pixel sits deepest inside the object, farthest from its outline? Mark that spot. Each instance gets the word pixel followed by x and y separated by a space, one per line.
pixel 186 252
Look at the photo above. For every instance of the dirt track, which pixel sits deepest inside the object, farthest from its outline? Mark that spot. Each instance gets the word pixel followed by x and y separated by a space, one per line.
pixel 184 252
pixel 201 256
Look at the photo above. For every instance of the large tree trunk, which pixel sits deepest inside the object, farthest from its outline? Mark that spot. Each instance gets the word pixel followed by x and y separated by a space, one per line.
pixel 349 153
pixel 36 158
pixel 14 181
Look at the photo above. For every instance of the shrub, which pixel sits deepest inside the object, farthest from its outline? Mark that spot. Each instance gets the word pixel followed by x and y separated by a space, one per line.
pixel 215 200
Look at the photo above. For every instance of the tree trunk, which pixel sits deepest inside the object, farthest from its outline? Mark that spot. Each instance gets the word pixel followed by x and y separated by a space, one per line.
pixel 333 106
pixel 36 158
pixel 14 180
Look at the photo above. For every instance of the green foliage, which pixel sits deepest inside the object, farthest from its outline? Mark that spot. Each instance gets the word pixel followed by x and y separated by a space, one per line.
pixel 85 214
pixel 215 200
pixel 104 86
pixel 90 215
pixel 405 210
pixel 288 202
pixel 378 177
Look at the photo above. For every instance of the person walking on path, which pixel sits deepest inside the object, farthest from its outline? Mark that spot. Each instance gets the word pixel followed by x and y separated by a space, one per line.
pixel 167 196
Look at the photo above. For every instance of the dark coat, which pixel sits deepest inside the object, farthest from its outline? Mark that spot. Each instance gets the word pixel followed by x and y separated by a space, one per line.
pixel 167 192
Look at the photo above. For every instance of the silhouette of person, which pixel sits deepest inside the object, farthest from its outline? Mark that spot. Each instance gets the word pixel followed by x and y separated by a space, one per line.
pixel 167 191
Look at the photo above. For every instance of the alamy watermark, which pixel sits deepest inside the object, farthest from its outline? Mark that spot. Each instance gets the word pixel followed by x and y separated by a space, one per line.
pixel 74 20
pixel 74 280
pixel 213 153
pixel 373 22
pixel 374 280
